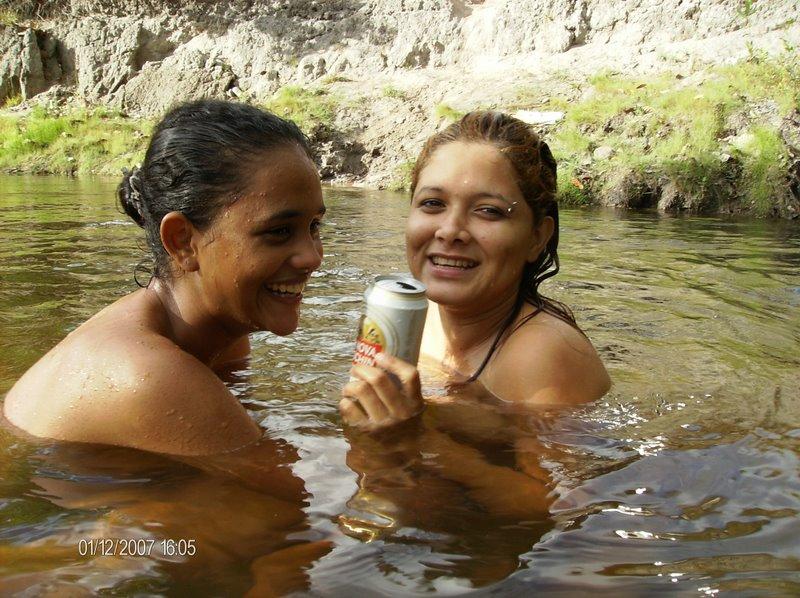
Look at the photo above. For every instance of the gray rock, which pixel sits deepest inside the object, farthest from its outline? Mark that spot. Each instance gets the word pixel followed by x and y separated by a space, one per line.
pixel 31 77
pixel 9 62
pixel 604 152
pixel 21 68
pixel 181 77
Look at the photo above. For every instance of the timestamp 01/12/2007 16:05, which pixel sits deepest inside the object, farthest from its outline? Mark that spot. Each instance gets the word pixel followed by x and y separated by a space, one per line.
pixel 137 547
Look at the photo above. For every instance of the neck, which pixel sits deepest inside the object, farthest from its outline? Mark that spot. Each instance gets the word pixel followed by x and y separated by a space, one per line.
pixel 189 325
pixel 467 336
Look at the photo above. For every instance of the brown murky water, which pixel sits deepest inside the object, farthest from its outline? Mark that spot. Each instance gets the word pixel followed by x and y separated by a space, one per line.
pixel 683 479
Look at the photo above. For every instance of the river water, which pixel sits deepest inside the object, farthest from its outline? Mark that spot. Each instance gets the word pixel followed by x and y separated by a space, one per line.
pixel 684 478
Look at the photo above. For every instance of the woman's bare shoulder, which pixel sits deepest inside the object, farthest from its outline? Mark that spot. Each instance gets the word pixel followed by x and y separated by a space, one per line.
pixel 128 385
pixel 179 405
pixel 545 361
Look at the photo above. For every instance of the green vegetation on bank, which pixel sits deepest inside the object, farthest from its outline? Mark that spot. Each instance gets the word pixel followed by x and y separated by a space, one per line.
pixel 706 145
pixel 717 140
pixel 307 107
pixel 447 113
pixel 95 141
pixel 401 181
pixel 101 141
pixel 8 17
pixel 389 91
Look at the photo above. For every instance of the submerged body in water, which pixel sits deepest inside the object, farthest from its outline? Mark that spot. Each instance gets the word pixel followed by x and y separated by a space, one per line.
pixel 651 488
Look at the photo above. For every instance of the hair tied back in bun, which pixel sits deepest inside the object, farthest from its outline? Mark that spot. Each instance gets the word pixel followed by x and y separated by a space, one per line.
pixel 130 195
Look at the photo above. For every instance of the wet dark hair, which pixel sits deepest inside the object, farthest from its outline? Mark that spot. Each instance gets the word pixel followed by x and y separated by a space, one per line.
pixel 198 159
pixel 535 170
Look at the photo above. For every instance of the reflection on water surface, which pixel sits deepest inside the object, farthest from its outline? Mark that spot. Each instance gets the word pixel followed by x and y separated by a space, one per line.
pixel 683 478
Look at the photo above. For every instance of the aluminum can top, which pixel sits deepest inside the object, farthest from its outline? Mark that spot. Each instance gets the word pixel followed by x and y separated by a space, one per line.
pixel 402 284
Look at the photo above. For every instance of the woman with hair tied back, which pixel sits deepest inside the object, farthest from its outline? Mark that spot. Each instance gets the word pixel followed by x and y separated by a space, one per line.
pixel 482 235
pixel 231 204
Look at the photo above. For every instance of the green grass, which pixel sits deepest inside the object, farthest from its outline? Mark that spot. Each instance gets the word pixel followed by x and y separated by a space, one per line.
pixel 83 142
pixel 9 16
pixel 392 92
pixel 764 159
pixel 307 107
pixel 14 100
pixel 443 111
pixel 401 181
pixel 746 8
pixel 335 78
pixel 14 12
pixel 667 129
pixel 571 189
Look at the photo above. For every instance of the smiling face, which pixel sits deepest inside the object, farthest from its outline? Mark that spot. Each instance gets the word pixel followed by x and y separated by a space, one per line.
pixel 257 255
pixel 470 231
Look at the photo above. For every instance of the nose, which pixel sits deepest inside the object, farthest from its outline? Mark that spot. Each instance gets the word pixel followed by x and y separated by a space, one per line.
pixel 308 256
pixel 453 228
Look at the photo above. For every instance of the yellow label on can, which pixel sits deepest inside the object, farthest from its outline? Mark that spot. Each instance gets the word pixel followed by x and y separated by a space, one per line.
pixel 371 341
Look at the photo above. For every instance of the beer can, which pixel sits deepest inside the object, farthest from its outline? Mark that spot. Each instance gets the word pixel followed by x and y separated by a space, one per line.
pixel 393 320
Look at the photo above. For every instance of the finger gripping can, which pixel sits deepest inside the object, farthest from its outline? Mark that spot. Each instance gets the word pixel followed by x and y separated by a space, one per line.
pixel 393 320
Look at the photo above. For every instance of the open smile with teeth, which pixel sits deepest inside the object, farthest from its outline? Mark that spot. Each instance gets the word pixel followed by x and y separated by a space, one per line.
pixel 286 289
pixel 453 263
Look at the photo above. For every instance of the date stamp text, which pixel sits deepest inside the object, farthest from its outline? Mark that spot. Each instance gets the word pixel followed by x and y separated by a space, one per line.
pixel 137 547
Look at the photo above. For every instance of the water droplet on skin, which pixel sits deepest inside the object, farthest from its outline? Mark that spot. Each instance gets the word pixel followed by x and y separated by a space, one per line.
pixel 224 424
pixel 171 412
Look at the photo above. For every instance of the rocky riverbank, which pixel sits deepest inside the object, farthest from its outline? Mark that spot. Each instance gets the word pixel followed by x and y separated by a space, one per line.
pixel 680 105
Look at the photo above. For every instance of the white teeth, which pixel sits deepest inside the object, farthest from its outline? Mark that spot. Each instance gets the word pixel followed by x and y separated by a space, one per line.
pixel 443 261
pixel 287 289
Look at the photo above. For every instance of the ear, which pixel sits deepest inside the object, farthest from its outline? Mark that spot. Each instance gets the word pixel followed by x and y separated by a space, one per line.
pixel 177 234
pixel 541 236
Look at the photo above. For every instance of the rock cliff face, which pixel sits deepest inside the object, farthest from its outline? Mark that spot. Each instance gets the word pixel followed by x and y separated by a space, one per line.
pixel 141 56
pixel 121 51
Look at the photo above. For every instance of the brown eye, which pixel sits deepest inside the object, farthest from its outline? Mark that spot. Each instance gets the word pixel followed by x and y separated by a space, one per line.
pixel 431 204
pixel 277 232
pixel 491 211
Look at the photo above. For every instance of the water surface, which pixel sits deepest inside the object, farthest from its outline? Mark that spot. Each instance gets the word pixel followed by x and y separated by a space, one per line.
pixel 684 478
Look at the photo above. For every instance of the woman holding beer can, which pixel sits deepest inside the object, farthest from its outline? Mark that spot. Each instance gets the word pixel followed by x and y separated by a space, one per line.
pixel 482 235
pixel 231 204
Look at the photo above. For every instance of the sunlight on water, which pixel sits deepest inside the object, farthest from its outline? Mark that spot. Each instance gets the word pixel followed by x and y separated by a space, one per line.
pixel 684 478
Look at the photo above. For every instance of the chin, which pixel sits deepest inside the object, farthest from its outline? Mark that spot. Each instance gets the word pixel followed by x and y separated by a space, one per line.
pixel 283 330
pixel 443 297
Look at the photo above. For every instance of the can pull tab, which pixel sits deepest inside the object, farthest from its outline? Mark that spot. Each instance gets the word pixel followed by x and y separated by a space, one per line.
pixel 406 286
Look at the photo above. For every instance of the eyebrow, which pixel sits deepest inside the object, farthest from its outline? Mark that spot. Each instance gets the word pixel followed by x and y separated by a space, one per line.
pixel 284 215
pixel 479 195
pixel 290 213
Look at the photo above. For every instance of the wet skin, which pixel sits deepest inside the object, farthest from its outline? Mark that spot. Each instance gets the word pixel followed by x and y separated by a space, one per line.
pixel 143 372
pixel 470 232
pixel 469 235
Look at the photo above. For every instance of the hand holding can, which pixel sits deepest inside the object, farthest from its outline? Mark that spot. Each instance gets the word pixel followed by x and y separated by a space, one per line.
pixel 384 387
pixel 382 395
